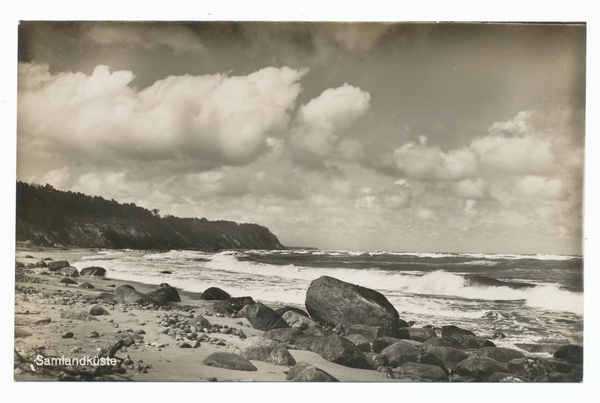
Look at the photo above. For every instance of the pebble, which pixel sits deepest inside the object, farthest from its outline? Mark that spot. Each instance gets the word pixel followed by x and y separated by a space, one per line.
pixel 94 334
pixel 68 335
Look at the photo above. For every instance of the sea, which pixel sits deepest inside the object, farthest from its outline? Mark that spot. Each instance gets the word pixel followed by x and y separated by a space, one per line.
pixel 529 299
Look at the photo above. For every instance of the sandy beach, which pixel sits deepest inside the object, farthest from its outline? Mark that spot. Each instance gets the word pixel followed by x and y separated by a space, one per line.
pixel 38 313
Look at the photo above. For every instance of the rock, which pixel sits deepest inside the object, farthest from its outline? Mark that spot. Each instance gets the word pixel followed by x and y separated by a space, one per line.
pixel 86 285
pixel 431 359
pixel 479 368
pixel 371 332
pixel 105 296
pixel 468 341
pixel 66 281
pixel 305 372
pixel 215 294
pixel 233 304
pixel 500 354
pixel 570 353
pixel 448 331
pixel 30 266
pixel 184 344
pixel 504 377
pixel 57 265
pixel 165 294
pixel 262 317
pixel 285 309
pixel 401 352
pixel 415 333
pixel 360 341
pixel 423 371
pixel 448 354
pixel 20 265
pixel 333 301
pixel 336 349
pixel 166 272
pixel 98 310
pixel 68 335
pixel 294 319
pixel 78 315
pixel 41 263
pixel 440 342
pixel 382 342
pixel 376 360
pixel 69 271
pixel 316 331
pixel 93 271
pixel 93 334
pixel 267 350
pixel 199 321
pixel 21 333
pixel 533 369
pixel 126 294
pixel 229 361
pixel 287 335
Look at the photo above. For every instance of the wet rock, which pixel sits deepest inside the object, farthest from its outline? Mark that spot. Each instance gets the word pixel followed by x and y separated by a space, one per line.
pixel 267 350
pixel 401 352
pixel 262 317
pixel 305 372
pixel 570 353
pixel 448 331
pixel 335 349
pixel 333 301
pixel 229 361
pixel 93 271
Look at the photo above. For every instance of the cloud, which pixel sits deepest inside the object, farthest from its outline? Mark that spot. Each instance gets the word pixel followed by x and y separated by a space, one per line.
pixel 541 187
pixel 208 120
pixel 320 122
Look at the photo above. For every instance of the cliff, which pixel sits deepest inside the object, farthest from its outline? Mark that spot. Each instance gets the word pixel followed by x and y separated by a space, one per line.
pixel 51 217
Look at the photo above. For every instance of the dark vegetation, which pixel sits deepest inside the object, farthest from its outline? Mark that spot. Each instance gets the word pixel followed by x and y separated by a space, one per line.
pixel 50 217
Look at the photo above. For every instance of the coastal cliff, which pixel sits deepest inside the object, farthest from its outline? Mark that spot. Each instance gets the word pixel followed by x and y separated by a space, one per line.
pixel 49 217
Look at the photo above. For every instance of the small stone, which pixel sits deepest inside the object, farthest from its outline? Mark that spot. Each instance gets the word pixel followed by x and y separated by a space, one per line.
pixel 68 335
pixel 94 334
pixel 184 344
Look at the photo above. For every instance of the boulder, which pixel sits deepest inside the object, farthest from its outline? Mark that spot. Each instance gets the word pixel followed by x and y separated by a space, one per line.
pixel 382 342
pixel 401 352
pixel 570 353
pixel 504 377
pixel 126 294
pixel 360 341
pixel 432 359
pixel 57 265
pixel 93 271
pixel 285 309
pixel 448 354
pixel 165 294
pixel 440 342
pixel 415 333
pixel 333 301
pixel 262 317
pixel 480 368
pixel 336 349
pixel 423 371
pixel 448 331
pixel 41 263
pixel 376 360
pixel 530 368
pixel 470 342
pixel 69 271
pixel 316 331
pixel 287 335
pixel 98 310
pixel 199 321
pixel 78 315
pixel 294 319
pixel 86 285
pixel 267 350
pixel 233 304
pixel 500 354
pixel 371 332
pixel 214 294
pixel 305 372
pixel 229 361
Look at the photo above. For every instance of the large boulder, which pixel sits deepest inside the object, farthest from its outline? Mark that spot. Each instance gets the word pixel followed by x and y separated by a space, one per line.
pixel 215 294
pixel 336 349
pixel 360 341
pixel 69 271
pixel 448 354
pixel 57 265
pixel 471 342
pixel 401 352
pixel 126 294
pixel 333 301
pixel 571 353
pixel 229 361
pixel 422 371
pixel 287 335
pixel 165 294
pixel 267 350
pixel 448 331
pixel 480 368
pixel 382 342
pixel 376 360
pixel 440 342
pixel 233 304
pixel 415 333
pixel 262 317
pixel 93 271
pixel 305 372
pixel 500 354
pixel 530 368
pixel 99 310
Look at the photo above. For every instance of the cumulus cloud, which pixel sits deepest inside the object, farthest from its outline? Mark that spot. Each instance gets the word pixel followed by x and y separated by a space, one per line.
pixel 214 120
pixel 320 122
pixel 541 187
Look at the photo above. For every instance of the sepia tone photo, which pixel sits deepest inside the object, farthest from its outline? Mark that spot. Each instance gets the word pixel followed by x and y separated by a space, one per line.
pixel 300 201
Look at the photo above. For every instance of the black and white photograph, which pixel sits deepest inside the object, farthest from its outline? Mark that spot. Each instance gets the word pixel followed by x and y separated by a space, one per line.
pixel 300 201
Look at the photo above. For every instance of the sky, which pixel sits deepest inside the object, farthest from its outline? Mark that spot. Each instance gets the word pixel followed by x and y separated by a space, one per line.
pixel 430 137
